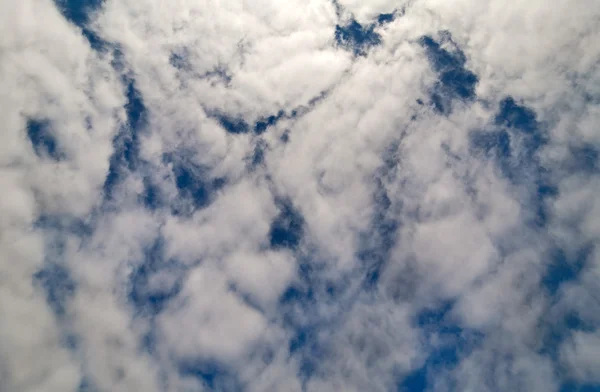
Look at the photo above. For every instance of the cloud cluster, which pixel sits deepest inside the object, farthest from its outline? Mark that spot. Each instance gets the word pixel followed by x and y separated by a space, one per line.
pixel 250 195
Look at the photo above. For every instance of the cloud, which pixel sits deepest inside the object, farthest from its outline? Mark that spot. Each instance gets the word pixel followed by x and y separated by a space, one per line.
pixel 327 195
pixel 580 357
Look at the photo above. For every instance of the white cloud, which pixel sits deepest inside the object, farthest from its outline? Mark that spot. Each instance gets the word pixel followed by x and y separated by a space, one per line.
pixel 218 324
pixel 581 357
pixel 464 230
pixel 263 275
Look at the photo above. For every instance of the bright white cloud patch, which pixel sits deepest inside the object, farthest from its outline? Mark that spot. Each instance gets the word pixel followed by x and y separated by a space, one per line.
pixel 309 196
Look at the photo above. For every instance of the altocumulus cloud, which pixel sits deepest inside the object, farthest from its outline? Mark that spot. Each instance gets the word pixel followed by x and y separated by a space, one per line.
pixel 299 196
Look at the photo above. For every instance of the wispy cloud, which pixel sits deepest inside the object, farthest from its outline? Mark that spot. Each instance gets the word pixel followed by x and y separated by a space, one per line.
pixel 344 195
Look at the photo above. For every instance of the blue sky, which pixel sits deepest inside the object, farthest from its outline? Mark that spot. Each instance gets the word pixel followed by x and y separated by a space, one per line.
pixel 333 195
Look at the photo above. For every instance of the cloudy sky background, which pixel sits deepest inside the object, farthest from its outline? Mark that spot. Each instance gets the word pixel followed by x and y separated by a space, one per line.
pixel 292 196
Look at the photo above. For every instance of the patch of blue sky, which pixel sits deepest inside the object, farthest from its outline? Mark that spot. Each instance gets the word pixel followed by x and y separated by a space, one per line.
pixel 453 343
pixel 155 281
pixel 43 140
pixel 513 141
pixel 375 245
pixel 386 18
pixel 265 122
pixel 231 124
pixel 237 125
pixel 259 152
pixel 288 226
pixel 585 159
pixel 213 375
pixel 357 38
pixel 126 143
pixel 86 385
pixel 579 387
pixel 195 185
pixel 301 310
pixel 65 224
pixel 58 285
pixel 79 12
pixel 54 279
pixel 455 81
pixel 564 268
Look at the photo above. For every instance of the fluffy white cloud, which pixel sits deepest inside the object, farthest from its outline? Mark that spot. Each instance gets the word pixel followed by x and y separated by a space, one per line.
pixel 217 323
pixel 289 210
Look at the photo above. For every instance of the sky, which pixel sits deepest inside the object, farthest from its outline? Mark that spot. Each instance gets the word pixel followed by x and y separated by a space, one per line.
pixel 321 195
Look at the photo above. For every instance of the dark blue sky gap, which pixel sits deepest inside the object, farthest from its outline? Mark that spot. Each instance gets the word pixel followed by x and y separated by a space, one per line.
pixel 307 346
pixel 122 161
pixel 521 124
pixel 455 81
pixel 386 18
pixel 288 227
pixel 458 342
pixel 152 197
pixel 357 38
pixel 179 60
pixel 577 387
pixel 376 245
pixel 126 143
pixel 86 385
pixel 43 140
pixel 299 306
pixel 134 107
pixel 258 155
pixel 563 269
pixel 513 142
pixel 216 376
pixel 513 115
pixel 586 159
pixel 54 278
pixel 285 137
pixel 263 123
pixel 237 125
pixel 58 285
pixel 151 301
pixel 558 329
pixel 196 187
pixel 78 12
pixel 526 137
pixel 233 125
pixel 65 224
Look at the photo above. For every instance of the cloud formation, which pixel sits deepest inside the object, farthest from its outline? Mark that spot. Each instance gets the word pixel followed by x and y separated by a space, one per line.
pixel 251 196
